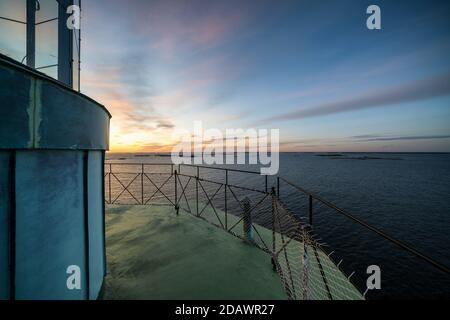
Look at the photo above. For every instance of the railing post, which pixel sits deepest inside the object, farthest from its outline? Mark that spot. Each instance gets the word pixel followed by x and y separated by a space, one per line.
pixel 310 210
pixel 65 40
pixel 273 195
pixel 278 186
pixel 31 33
pixel 248 223
pixel 109 182
pixel 226 200
pixel 176 193
pixel 196 187
pixel 142 185
pixel 266 183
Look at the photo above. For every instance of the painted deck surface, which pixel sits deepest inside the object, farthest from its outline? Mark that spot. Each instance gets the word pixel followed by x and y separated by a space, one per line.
pixel 154 254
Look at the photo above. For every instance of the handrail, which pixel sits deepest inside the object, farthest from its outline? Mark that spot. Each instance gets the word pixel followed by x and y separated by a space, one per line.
pixel 341 211
pixel 218 168
pixel 374 229
pixel 182 164
pixel 12 20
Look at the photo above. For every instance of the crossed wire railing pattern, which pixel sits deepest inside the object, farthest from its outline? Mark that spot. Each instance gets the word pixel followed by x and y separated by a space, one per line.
pixel 250 207
pixel 251 214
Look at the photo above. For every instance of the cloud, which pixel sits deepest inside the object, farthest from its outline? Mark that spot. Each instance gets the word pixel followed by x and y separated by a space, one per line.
pixel 418 90
pixel 407 138
pixel 365 136
pixel 165 124
pixel 177 28
pixel 155 147
pixel 125 88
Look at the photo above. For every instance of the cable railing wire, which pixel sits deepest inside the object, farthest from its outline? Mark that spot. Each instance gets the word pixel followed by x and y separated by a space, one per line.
pixel 293 240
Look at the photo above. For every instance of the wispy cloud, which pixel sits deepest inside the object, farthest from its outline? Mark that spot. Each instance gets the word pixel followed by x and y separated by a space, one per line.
pixel 418 90
pixel 177 28
pixel 165 124
pixel 407 138
pixel 365 136
pixel 157 64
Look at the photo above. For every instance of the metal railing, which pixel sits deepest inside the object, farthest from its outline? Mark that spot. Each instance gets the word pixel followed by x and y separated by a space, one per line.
pixel 203 192
pixel 366 225
pixel 178 197
pixel 61 62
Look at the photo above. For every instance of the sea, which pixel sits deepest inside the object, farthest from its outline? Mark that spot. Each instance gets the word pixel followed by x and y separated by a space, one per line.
pixel 406 195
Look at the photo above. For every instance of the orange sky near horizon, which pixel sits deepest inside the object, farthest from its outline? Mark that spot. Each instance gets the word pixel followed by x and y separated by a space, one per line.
pixel 315 72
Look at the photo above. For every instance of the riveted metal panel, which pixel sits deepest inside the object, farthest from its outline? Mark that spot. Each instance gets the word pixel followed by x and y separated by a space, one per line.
pixel 49 223
pixel 70 121
pixel 15 98
pixel 37 112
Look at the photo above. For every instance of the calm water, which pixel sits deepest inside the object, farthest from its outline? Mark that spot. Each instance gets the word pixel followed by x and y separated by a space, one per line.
pixel 405 195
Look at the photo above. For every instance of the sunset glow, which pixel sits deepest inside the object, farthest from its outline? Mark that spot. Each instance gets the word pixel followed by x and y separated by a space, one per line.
pixel 313 71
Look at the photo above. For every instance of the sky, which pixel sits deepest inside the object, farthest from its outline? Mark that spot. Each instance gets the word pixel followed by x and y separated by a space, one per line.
pixel 309 68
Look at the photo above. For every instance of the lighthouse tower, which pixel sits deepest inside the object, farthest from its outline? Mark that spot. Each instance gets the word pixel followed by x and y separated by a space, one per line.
pixel 53 141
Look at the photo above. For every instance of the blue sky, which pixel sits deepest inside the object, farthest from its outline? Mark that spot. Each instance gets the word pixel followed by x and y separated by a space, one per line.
pixel 310 68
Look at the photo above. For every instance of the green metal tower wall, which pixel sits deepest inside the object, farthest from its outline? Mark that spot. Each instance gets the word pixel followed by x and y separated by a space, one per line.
pixel 52 148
